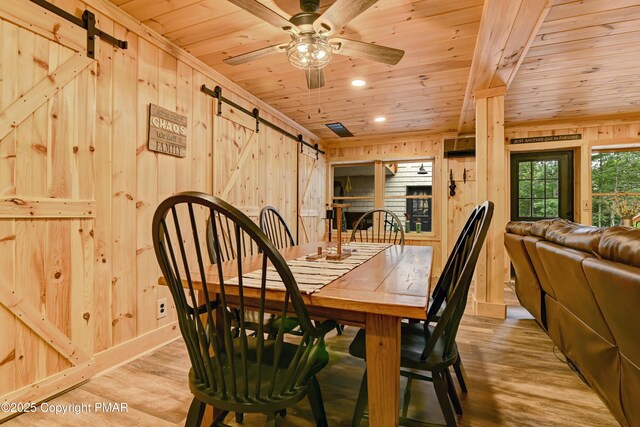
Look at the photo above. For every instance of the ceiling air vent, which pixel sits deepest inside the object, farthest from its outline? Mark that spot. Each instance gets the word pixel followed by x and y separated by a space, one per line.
pixel 339 129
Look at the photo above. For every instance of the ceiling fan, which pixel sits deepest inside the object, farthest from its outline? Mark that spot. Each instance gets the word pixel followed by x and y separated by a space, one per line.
pixel 311 45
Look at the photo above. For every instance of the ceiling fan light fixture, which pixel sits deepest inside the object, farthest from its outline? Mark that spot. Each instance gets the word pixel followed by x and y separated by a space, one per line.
pixel 309 51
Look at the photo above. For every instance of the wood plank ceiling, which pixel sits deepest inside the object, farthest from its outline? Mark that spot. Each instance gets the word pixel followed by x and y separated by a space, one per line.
pixel 583 63
pixel 423 92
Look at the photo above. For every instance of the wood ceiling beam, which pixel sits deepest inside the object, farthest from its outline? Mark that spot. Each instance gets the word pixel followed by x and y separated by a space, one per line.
pixel 507 30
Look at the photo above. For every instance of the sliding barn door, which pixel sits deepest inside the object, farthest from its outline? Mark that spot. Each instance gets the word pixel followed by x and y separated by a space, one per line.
pixel 311 198
pixel 48 154
pixel 254 169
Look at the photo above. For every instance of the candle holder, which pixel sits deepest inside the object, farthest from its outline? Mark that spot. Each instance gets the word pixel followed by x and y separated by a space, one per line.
pixel 318 255
pixel 329 218
pixel 338 256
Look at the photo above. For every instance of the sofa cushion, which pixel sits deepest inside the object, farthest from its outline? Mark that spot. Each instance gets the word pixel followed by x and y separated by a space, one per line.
pixel 596 358
pixel 617 291
pixel 532 251
pixel 539 228
pixel 527 286
pixel 621 244
pixel 575 236
pixel 630 391
pixel 521 228
pixel 553 321
pixel 564 268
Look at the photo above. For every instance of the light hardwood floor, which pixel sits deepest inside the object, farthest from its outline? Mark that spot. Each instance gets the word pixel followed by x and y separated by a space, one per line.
pixel 514 379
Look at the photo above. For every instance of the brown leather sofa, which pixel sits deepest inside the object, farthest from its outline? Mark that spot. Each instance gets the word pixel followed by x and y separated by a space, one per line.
pixel 582 285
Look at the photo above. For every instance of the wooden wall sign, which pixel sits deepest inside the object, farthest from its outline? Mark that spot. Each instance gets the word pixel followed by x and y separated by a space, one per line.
pixel 167 131
pixel 550 138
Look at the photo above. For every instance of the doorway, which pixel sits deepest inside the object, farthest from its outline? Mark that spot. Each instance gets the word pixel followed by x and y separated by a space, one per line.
pixel 542 186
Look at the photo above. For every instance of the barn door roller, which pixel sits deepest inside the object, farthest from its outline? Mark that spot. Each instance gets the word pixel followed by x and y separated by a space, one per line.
pixel 88 22
pixel 217 94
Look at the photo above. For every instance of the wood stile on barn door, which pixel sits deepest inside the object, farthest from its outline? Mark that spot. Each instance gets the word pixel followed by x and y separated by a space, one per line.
pixel 253 169
pixel 47 209
pixel 311 183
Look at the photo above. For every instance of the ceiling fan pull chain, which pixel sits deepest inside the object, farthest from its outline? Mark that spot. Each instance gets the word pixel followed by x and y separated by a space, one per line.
pixel 319 89
pixel 309 96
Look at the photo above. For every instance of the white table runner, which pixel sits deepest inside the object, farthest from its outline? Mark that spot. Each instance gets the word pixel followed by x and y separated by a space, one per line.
pixel 314 275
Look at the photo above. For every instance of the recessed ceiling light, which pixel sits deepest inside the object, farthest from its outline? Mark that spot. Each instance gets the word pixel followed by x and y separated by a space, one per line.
pixel 358 83
pixel 380 119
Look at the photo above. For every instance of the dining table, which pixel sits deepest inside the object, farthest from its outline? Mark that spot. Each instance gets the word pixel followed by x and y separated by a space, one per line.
pixel 390 286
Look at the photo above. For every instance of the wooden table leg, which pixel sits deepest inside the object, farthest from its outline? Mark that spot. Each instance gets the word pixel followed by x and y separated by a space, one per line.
pixel 383 369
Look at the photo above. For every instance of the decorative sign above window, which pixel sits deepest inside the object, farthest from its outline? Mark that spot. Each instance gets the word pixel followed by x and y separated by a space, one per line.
pixel 167 131
pixel 550 138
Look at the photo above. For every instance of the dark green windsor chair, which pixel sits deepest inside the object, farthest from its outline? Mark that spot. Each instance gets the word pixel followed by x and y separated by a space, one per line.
pixel 442 292
pixel 234 368
pixel 389 230
pixel 229 250
pixel 430 346
pixel 276 228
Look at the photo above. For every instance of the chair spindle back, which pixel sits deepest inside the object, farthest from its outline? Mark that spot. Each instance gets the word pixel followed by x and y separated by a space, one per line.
pixel 228 361
pixel 276 228
pixel 378 226
pixel 229 248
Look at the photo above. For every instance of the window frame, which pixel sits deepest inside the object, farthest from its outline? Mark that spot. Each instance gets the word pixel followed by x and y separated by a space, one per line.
pixel 611 149
pixel 380 197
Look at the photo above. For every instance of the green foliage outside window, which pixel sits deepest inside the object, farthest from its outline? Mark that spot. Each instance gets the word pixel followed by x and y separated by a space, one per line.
pixel 616 179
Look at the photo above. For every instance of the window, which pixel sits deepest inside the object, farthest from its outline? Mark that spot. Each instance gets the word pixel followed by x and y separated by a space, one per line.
pixel 354 185
pixel 408 192
pixel 542 185
pixel 406 189
pixel 615 186
pixel 538 191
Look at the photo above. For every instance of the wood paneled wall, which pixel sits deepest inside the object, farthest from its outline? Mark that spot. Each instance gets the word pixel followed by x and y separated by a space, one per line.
pixel 451 212
pixel 407 146
pixel 595 131
pixel 78 188
pixel 619 132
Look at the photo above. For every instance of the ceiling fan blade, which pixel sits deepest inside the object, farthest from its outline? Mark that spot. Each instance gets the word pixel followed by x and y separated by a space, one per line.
pixel 263 12
pixel 256 54
pixel 374 52
pixel 340 14
pixel 315 78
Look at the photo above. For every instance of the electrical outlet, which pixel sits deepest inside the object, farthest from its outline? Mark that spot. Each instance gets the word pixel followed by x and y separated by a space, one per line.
pixel 162 308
